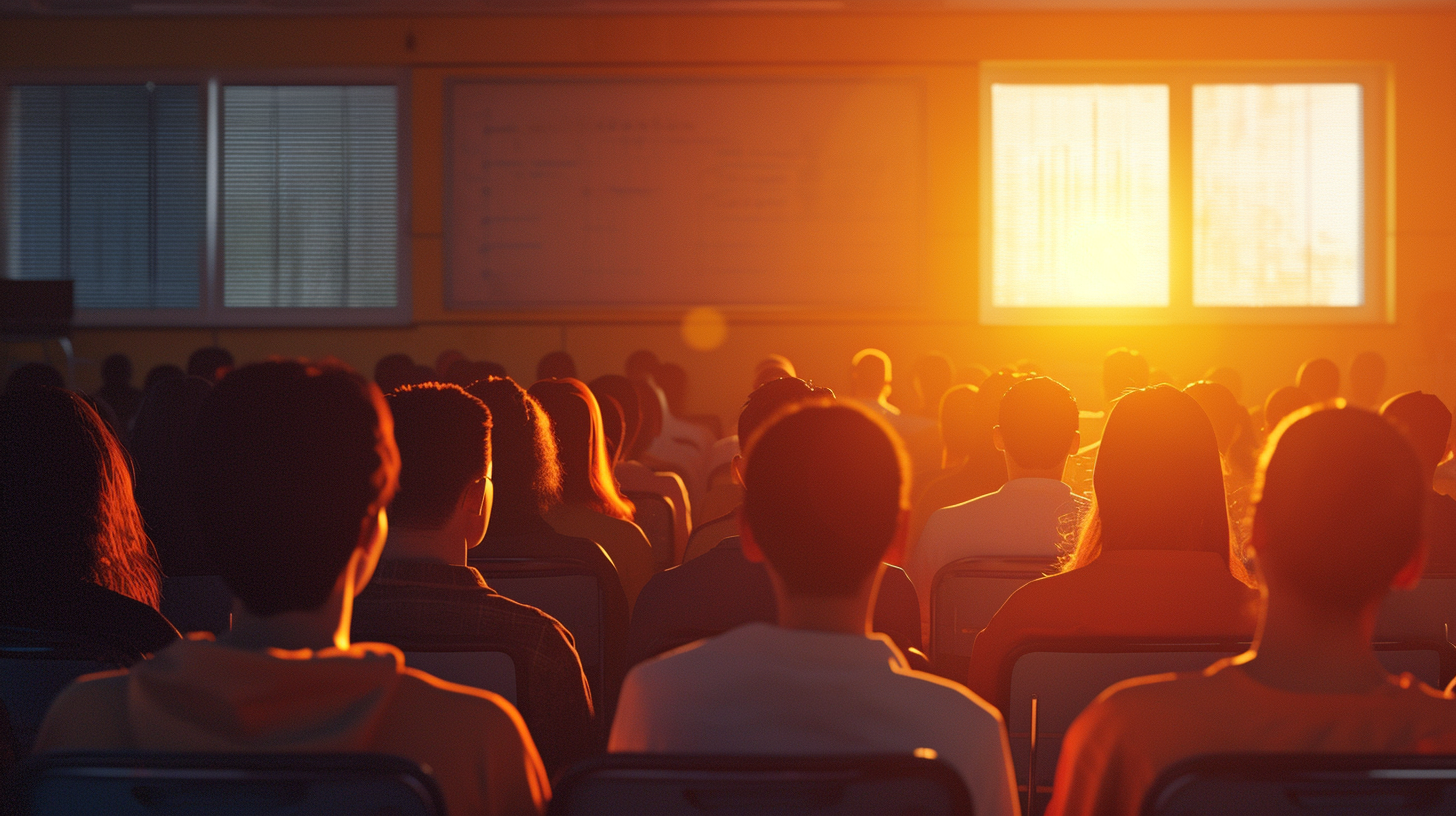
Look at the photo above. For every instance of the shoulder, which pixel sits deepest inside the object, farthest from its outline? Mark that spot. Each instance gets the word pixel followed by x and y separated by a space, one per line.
pixel 90 714
pixel 455 707
pixel 943 698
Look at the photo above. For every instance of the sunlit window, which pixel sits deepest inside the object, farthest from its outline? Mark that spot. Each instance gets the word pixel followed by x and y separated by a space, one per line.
pixel 1081 195
pixel 1277 195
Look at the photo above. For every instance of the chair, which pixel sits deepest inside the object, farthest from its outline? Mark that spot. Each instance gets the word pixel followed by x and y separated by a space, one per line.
pixel 964 596
pixel 673 784
pixel 1431 661
pixel 142 784
pixel 590 605
pixel 1045 684
pixel 483 667
pixel 35 666
pixel 1425 612
pixel 1305 784
pixel 655 515
pixel 198 603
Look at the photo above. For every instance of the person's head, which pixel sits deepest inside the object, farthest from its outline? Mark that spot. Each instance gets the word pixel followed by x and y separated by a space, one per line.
pixel 394 370
pixel 649 425
pixel 465 372
pixel 586 473
pixel 641 364
pixel 116 372
pixel 673 380
pixel 162 373
pixel 67 514
pixel 1319 378
pixel 934 374
pixel 958 421
pixel 624 394
pixel 210 363
pixel 526 471
pixel 291 465
pixel 1158 481
pixel 1229 378
pixel 870 378
pixel 973 374
pixel 445 359
pixel 770 398
pixel 824 497
pixel 1425 422
pixel 1282 402
pixel 158 445
pixel 1232 427
pixel 772 368
pixel 1123 370
pixel 34 375
pixel 1367 379
pixel 1337 510
pixel 443 436
pixel 1037 424
pixel 555 365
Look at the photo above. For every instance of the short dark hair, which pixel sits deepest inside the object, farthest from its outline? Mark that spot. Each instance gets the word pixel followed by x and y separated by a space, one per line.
pixel 1339 498
pixel 767 399
pixel 210 362
pixel 443 436
pixel 1038 418
pixel 824 490
pixel 286 461
pixel 1424 421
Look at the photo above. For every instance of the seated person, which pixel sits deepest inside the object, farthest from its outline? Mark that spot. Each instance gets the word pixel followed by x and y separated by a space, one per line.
pixel 972 465
pixel 824 504
pixel 1154 557
pixel 1030 515
pixel 627 444
pixel 292 466
pixel 1425 422
pixel 722 590
pixel 1337 524
pixel 869 384
pixel 423 593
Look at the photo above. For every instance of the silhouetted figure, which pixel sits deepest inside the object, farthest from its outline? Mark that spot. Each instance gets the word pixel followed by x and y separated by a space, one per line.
pixel 158 448
pixel 772 368
pixel 393 371
pixel 934 374
pixel 34 375
pixel 1238 444
pixel 1229 378
pixel 555 365
pixel 870 381
pixel 1337 525
pixel 824 506
pixel 623 393
pixel 117 390
pixel 1319 378
pixel 1282 402
pixel 1367 379
pixel 210 363
pixel 162 373
pixel 973 466
pixel 1425 422
pixel 292 466
pixel 1123 370
pixel 641 364
pixel 444 360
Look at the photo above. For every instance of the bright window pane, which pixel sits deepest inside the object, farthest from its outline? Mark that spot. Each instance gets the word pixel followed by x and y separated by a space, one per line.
pixel 1277 195
pixel 1080 191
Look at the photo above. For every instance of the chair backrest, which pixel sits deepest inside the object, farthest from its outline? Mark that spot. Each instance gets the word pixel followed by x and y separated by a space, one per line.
pixel 1065 675
pixel 655 516
pixel 669 784
pixel 489 669
pixel 1423 613
pixel 141 784
pixel 1431 661
pixel 572 593
pixel 198 603
pixel 1305 784
pixel 36 666
pixel 964 596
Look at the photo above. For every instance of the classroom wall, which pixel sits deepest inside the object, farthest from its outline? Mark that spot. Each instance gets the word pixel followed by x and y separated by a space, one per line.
pixel 940 48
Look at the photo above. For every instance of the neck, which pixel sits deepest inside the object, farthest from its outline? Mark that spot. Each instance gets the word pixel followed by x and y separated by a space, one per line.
pixel 1015 471
pixel 845 614
pixel 442 546
pixel 324 628
pixel 1303 649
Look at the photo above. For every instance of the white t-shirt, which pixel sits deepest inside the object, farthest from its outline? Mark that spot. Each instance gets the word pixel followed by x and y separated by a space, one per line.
pixel 763 689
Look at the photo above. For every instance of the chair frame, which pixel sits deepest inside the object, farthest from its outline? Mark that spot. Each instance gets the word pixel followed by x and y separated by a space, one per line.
pixel 1029 567
pixel 488 646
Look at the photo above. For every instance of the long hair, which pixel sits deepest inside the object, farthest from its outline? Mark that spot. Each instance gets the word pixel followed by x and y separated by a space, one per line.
pixel 586 472
pixel 67 514
pixel 1158 482
pixel 523 454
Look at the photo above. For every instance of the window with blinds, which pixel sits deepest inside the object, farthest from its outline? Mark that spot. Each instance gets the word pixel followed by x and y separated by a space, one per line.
pixel 309 196
pixel 106 185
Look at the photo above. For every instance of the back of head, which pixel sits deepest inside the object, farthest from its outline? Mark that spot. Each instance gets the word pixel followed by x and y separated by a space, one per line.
pixel 1319 378
pixel 1338 508
pixel 210 363
pixel 959 413
pixel 158 445
pixel 576 419
pixel 1123 370
pixel 66 509
pixel 444 360
pixel 673 380
pixel 824 488
pixel 649 426
pixel 614 425
pixel 287 462
pixel 1038 418
pixel 34 375
pixel 1158 480
pixel 871 374
pixel 621 389
pixel 1367 378
pixel 934 374
pixel 394 370
pixel 443 435
pixel 555 365
pixel 162 373
pixel 466 372
pixel 1222 408
pixel 770 398
pixel 525 469
pixel 1229 378
pixel 1424 421
pixel 116 371
pixel 772 368
pixel 640 364
pixel 1282 402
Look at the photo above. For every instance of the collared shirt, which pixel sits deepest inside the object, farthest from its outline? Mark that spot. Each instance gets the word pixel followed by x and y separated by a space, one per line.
pixel 764 689
pixel 423 602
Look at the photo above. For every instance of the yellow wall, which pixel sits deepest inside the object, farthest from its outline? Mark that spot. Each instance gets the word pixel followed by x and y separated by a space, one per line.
pixel 942 49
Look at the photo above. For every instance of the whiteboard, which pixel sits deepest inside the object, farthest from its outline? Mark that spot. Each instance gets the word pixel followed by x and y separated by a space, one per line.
pixel 585 193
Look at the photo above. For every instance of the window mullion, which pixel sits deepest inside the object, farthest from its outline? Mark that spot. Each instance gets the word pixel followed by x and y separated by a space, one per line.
pixel 1180 195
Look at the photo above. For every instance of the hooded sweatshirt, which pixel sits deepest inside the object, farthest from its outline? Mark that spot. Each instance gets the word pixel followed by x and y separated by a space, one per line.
pixel 197 695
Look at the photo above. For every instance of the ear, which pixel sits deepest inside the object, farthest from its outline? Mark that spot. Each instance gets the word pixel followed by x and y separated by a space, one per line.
pixel 900 544
pixel 737 467
pixel 474 509
pixel 1410 574
pixel 751 550
pixel 997 439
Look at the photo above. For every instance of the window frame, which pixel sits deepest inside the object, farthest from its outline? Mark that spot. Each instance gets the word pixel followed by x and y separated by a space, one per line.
pixel 210 311
pixel 1376 110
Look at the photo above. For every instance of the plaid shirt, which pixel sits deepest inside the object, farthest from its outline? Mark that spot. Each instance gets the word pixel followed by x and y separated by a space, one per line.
pixel 422 602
